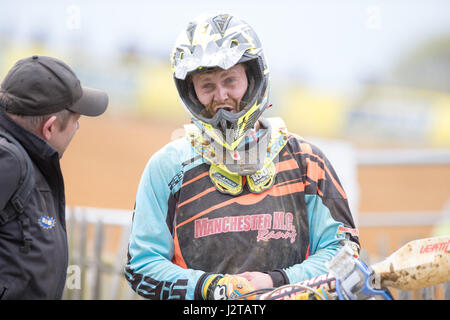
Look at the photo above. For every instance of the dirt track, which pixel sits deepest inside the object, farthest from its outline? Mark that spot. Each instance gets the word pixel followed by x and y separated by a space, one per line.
pixel 103 165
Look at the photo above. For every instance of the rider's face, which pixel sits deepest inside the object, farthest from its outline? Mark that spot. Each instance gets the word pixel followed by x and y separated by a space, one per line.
pixel 221 89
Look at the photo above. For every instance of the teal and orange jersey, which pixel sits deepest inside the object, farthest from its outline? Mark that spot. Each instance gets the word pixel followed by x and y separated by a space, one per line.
pixel 184 229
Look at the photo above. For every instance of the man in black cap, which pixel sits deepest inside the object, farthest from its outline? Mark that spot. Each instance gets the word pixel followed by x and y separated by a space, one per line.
pixel 41 101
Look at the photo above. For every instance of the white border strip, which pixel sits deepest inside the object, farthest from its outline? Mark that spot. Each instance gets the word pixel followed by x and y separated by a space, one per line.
pixel 107 216
pixel 120 217
pixel 400 219
pixel 403 157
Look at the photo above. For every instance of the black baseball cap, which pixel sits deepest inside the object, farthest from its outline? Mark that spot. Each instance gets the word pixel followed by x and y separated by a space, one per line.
pixel 41 85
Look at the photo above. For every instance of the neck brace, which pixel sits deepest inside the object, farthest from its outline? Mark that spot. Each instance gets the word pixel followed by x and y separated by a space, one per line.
pixel 251 163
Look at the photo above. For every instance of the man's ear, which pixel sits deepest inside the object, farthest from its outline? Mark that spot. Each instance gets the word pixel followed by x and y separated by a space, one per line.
pixel 49 128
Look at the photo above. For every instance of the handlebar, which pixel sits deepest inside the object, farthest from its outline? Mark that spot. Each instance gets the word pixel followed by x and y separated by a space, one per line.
pixel 349 279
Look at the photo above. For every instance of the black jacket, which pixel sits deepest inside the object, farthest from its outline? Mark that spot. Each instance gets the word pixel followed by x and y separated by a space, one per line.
pixel 41 272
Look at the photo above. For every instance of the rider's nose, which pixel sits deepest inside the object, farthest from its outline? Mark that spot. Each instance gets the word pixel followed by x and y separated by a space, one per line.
pixel 221 94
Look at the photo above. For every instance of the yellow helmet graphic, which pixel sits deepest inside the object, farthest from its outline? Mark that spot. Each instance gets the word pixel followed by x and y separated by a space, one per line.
pixel 221 40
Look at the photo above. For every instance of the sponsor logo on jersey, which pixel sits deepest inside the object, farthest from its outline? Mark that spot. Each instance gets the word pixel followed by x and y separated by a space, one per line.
pixel 278 225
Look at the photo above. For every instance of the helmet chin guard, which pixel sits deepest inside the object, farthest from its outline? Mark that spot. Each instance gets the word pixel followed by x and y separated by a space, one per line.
pixel 254 158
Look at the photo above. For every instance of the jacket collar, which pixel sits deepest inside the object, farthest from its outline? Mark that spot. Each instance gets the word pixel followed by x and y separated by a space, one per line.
pixel 37 148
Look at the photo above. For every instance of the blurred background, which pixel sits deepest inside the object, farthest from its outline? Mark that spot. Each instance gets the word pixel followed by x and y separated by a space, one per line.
pixel 366 81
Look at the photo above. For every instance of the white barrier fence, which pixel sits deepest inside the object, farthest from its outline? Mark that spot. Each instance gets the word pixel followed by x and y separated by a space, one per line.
pixel 94 273
pixel 97 273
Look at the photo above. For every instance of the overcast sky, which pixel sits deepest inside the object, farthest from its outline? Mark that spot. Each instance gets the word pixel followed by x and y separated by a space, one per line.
pixel 322 40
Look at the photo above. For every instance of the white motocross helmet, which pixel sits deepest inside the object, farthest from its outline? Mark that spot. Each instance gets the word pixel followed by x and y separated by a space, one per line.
pixel 221 40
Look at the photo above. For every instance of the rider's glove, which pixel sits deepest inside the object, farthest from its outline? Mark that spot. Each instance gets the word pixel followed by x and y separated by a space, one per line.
pixel 219 287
